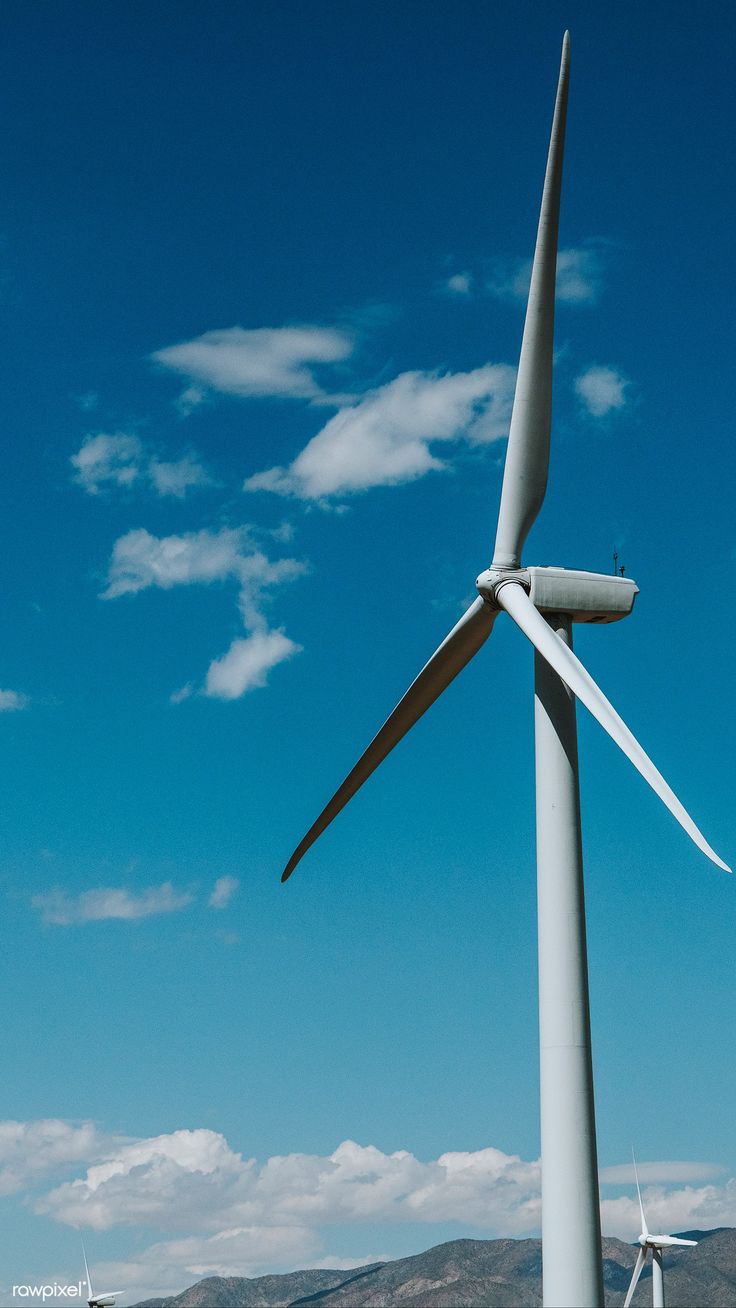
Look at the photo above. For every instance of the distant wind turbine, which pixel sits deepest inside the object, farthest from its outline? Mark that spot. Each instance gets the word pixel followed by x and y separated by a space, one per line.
pixel 656 1243
pixel 106 1300
pixel 543 602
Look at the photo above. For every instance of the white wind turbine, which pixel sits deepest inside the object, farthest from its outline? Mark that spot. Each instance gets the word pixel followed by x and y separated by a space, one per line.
pixel 105 1300
pixel 544 603
pixel 656 1243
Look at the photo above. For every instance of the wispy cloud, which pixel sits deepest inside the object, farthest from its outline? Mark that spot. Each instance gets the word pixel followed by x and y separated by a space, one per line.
pixel 277 362
pixel 579 274
pixel 601 390
pixel 58 908
pixel 119 459
pixel 177 476
pixel 664 1173
pixel 458 284
pixel 107 460
pixel 223 891
pixel 11 701
pixel 388 436
pixel 141 560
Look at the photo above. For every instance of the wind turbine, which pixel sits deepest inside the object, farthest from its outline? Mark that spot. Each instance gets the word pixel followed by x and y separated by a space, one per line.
pixel 106 1300
pixel 543 602
pixel 656 1243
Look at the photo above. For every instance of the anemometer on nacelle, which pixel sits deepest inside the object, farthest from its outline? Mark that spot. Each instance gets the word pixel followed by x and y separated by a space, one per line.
pixel 584 596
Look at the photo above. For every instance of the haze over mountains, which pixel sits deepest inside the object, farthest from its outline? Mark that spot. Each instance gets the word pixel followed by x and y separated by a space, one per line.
pixel 475 1274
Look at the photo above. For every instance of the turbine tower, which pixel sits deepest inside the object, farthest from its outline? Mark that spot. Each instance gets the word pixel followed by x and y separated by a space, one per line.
pixel 544 603
pixel 656 1243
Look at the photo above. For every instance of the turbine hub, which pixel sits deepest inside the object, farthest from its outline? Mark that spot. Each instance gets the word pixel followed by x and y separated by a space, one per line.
pixel 490 582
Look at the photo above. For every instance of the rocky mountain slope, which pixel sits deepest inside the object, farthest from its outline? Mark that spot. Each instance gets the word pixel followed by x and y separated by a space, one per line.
pixel 475 1274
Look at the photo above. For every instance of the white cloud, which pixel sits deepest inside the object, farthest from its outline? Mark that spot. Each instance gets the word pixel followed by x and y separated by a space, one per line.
pixel 458 284
pixel 58 908
pixel 223 891
pixel 176 477
pixel 140 560
pixel 386 437
pixel 578 277
pixel 184 692
pixel 601 390
pixel 30 1150
pixel 120 460
pixel 11 701
pixel 686 1209
pixel 163 1180
pixel 193 1180
pixel 107 460
pixel 247 663
pixel 265 361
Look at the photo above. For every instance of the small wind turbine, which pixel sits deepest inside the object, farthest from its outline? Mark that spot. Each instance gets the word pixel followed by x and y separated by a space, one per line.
pixel 656 1243
pixel 544 603
pixel 106 1300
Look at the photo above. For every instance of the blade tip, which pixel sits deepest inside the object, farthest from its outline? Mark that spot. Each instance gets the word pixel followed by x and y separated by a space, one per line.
pixel 295 858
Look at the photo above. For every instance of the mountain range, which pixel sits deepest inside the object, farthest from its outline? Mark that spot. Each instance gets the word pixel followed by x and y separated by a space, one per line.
pixel 475 1274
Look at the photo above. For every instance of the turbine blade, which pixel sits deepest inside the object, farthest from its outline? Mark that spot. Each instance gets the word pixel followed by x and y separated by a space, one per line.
pixel 86 1270
pixel 638 1268
pixel 666 1241
pixel 644 1227
pixel 513 598
pixel 527 455
pixel 456 650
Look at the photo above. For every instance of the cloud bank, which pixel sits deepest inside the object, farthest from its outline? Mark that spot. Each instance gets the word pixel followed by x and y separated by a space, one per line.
pixel 220 1213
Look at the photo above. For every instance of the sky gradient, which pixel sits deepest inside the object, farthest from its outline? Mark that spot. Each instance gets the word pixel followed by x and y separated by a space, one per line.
pixel 263 279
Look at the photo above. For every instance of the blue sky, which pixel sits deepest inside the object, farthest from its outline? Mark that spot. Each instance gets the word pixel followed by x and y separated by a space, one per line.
pixel 262 296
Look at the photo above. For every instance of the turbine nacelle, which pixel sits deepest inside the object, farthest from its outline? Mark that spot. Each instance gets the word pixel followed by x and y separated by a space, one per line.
pixel 585 596
pixel 662 1241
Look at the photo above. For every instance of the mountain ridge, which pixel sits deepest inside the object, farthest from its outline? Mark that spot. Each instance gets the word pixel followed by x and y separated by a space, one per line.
pixel 468 1273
